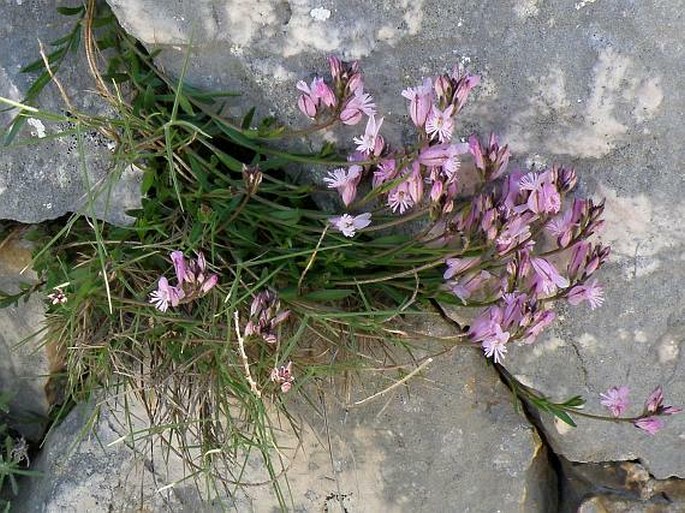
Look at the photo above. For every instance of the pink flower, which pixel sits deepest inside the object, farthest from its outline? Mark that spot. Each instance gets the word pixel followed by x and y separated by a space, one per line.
pixel 440 123
pixel 345 182
pixel 547 278
pixel 654 404
pixel 399 198
pixel 459 265
pixel 283 376
pixel 58 297
pixel 616 400
pixel 385 172
pixel 590 292
pixel 544 197
pixel 349 225
pixel 495 346
pixel 443 155
pixel 166 295
pixel 650 425
pixel 420 100
pixel 361 103
pixel 179 262
pixel 367 143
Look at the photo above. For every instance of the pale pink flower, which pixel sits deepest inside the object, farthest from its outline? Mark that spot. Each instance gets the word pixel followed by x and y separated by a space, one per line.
pixel 349 225
pixel 544 197
pixel 495 346
pixel 58 297
pixel 322 91
pixel 616 400
pixel 650 425
pixel 590 292
pixel 547 278
pixel 283 376
pixel 443 155
pixel 459 265
pixel 345 181
pixel 385 172
pixel 180 267
pixel 366 144
pixel 440 123
pixel 166 295
pixel 361 103
pixel 420 100
pixel 399 198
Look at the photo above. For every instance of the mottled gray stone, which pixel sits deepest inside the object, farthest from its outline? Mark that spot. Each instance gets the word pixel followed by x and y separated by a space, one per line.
pixel 42 174
pixel 592 83
pixel 25 360
pixel 451 441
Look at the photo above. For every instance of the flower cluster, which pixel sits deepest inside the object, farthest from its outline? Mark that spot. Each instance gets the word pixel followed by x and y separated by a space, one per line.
pixel 192 281
pixel 538 242
pixel 343 98
pixel 649 421
pixel 265 316
pixel 520 240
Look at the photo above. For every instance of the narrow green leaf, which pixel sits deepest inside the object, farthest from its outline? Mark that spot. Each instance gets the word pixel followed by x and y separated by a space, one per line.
pixel 329 294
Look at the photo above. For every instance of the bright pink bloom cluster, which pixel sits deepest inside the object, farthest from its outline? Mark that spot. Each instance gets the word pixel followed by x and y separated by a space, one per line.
pixel 265 316
pixel 193 281
pixel 343 97
pixel 532 237
pixel 650 421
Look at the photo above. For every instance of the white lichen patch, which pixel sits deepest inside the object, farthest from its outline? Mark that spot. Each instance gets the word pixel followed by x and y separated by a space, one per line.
pixel 590 126
pixel 320 13
pixel 637 227
pixel 546 346
pixel 668 349
pixel 38 127
pixel 640 336
pixel 526 8
pixel 588 342
pixel 583 3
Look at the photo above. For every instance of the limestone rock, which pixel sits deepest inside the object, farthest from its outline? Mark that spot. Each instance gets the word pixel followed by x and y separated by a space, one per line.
pixel 451 441
pixel 42 174
pixel 25 361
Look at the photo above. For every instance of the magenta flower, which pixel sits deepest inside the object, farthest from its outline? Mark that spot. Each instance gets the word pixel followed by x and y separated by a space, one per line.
pixel 349 225
pixel 616 400
pixel 420 101
pixel 345 181
pixel 590 292
pixel 650 425
pixel 166 295
pixel 440 123
pixel 368 142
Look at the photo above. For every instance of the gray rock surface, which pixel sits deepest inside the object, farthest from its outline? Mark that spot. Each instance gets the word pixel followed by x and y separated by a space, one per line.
pixel 42 174
pixel 25 361
pixel 450 442
pixel 591 83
